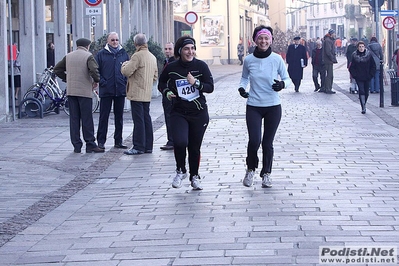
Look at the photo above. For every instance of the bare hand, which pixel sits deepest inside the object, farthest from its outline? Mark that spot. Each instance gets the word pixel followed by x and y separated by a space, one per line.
pixel 94 85
pixel 190 78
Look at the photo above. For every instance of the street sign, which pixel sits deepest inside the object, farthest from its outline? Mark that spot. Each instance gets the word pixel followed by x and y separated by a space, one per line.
pixel 389 23
pixel 93 21
pixel 93 2
pixel 191 17
pixel 388 13
pixel 93 11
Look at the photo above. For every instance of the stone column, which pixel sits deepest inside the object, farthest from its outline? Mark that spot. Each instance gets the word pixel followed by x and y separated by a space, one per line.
pixel 113 16
pixel 27 39
pixel 4 95
pixel 126 29
pixel 145 18
pixel 60 29
pixel 78 13
pixel 39 35
pixel 99 28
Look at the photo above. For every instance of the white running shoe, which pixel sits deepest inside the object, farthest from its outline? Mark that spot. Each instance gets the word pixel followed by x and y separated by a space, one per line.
pixel 266 181
pixel 249 178
pixel 195 183
pixel 178 179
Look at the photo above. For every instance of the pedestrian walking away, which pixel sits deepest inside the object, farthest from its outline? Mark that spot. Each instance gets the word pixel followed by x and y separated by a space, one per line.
pixel 318 66
pixel 352 47
pixel 296 59
pixel 362 69
pixel 166 104
pixel 330 58
pixel 112 89
pixel 80 71
pixel 185 81
pixel 240 51
pixel 50 55
pixel 376 52
pixel 268 76
pixel 141 71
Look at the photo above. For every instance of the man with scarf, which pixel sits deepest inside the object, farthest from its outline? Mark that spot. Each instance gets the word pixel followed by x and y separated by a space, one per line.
pixel 112 89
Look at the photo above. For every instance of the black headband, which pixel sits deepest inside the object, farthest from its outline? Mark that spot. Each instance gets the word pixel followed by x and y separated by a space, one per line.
pixel 185 42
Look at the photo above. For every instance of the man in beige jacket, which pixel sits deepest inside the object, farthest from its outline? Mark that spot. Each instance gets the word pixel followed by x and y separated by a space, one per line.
pixel 141 71
pixel 80 70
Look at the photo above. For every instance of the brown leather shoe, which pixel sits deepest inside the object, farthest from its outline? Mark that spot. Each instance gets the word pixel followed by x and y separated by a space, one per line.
pixel 95 150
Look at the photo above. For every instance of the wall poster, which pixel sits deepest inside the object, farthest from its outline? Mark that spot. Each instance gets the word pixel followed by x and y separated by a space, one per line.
pixel 212 31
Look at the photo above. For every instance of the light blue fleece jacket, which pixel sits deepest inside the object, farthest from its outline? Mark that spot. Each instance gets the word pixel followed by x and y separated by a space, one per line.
pixel 260 73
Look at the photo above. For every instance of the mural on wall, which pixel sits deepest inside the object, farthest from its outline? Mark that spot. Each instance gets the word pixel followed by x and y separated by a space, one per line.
pixel 212 31
pixel 201 5
pixel 179 6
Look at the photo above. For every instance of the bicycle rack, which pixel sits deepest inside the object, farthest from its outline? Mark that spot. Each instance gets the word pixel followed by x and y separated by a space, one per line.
pixel 28 101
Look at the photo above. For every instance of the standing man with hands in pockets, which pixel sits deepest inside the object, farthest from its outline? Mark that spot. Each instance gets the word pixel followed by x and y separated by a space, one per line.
pixel 268 76
pixel 112 89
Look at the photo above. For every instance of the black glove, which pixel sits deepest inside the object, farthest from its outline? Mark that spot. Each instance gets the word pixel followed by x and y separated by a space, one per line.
pixel 278 85
pixel 243 93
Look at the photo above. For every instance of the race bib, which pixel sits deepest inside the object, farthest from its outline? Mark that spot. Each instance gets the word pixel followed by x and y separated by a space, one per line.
pixel 186 90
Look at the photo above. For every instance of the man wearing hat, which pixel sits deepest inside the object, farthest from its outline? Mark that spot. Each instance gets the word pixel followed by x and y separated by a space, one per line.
pixel 329 58
pixel 80 71
pixel 296 60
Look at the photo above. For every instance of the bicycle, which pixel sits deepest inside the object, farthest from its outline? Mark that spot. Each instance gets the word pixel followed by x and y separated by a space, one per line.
pixel 47 91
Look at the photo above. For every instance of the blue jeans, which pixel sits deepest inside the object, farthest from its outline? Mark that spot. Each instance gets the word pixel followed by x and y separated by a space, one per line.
pixel 375 82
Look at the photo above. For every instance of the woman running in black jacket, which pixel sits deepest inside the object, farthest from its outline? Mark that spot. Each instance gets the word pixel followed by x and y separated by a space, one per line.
pixel 183 82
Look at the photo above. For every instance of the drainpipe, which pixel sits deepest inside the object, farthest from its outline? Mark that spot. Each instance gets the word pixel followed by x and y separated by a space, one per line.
pixel 228 32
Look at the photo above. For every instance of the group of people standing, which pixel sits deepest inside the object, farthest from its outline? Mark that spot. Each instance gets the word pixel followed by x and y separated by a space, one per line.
pixel 323 58
pixel 363 65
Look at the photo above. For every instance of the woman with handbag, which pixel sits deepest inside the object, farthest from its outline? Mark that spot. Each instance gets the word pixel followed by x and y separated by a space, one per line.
pixel 362 69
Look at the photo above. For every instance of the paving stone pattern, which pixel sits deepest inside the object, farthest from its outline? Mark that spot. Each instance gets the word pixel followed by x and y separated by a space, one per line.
pixel 335 182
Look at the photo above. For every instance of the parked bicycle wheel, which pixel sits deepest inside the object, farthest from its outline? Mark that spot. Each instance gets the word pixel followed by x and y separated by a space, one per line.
pixel 95 103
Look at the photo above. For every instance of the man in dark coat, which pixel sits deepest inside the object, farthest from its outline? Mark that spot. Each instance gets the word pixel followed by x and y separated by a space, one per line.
pixel 296 60
pixel 349 51
pixel 318 66
pixel 330 58
pixel 112 89
pixel 166 104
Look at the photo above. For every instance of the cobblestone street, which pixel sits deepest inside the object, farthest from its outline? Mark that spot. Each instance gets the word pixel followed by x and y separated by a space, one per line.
pixel 335 183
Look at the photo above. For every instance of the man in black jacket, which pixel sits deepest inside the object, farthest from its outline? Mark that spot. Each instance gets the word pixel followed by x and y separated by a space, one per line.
pixel 112 89
pixel 166 104
pixel 318 66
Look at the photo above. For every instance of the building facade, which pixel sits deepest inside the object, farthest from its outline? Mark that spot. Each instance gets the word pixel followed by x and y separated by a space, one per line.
pixel 220 25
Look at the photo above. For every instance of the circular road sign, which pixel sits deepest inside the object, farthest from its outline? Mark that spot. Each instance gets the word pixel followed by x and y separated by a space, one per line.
pixel 389 23
pixel 191 17
pixel 93 2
